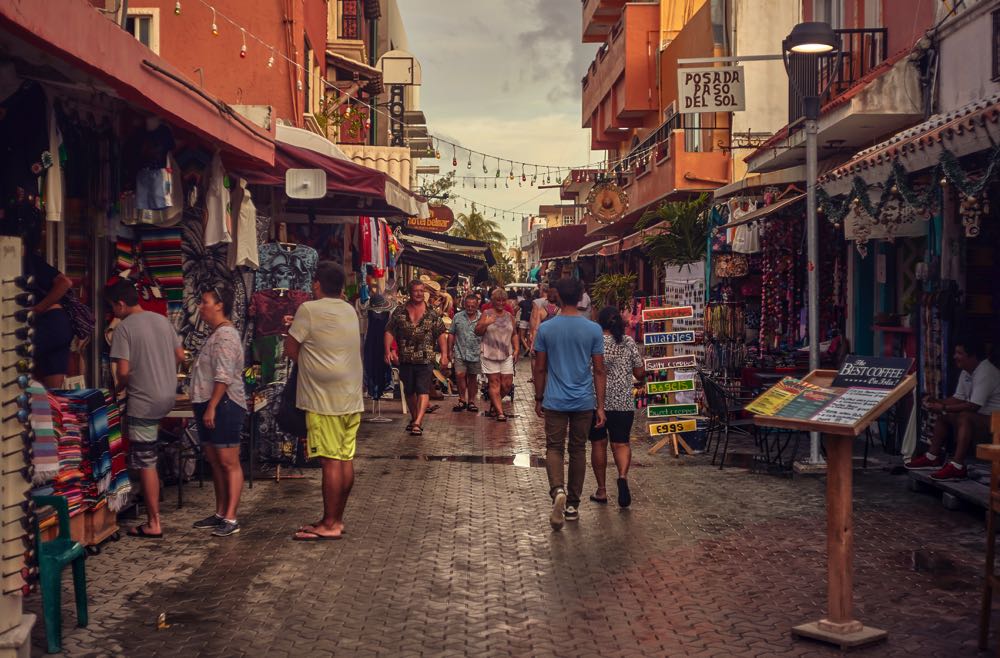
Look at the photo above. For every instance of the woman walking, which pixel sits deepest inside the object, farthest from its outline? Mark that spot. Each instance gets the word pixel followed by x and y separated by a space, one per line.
pixel 220 407
pixel 621 358
pixel 500 343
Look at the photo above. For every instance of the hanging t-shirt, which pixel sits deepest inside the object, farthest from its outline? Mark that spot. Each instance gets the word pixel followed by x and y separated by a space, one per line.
pixel 269 308
pixel 218 220
pixel 286 267
pixel 243 251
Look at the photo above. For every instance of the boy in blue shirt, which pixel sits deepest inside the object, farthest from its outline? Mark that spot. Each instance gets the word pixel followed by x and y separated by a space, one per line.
pixel 567 348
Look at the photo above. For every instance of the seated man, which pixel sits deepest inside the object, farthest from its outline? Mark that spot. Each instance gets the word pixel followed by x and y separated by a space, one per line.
pixel 965 417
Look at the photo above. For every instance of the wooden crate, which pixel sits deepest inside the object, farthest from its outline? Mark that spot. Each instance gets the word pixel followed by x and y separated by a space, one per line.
pixel 49 529
pixel 99 524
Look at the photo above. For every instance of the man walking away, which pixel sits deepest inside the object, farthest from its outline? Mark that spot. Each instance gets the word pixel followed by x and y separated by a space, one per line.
pixel 415 327
pixel 146 351
pixel 324 340
pixel 566 346
pixel 465 347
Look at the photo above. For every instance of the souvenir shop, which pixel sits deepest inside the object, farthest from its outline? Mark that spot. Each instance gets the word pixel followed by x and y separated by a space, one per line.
pixel 755 316
pixel 920 214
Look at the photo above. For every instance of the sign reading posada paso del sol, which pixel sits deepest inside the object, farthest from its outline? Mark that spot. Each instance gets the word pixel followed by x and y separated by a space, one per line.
pixel 440 220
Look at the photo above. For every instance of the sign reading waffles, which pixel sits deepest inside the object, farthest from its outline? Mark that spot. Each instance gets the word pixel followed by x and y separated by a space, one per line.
pixel 668 338
pixel 673 427
pixel 669 362
pixel 672 386
pixel 667 313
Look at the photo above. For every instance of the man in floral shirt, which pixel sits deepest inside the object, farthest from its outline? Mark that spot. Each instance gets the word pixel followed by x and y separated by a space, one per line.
pixel 415 328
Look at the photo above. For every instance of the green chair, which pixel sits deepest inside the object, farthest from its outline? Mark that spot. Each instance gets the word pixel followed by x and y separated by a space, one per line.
pixel 53 556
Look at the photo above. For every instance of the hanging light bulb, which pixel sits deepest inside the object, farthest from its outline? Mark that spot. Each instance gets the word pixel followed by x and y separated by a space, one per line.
pixel 454 157
pixel 498 170
pixel 298 83
pixel 215 26
pixel 243 48
pixel 485 170
pixel 177 8
pixel 470 160
pixel 270 60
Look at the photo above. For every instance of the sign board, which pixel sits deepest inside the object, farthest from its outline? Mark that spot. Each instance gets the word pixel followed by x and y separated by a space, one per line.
pixel 872 372
pixel 667 313
pixel 440 220
pixel 672 386
pixel 664 410
pixel 851 406
pixel 673 427
pixel 669 362
pixel 668 338
pixel 718 89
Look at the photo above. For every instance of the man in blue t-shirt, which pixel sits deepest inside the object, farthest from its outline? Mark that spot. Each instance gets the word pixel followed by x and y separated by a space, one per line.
pixel 566 347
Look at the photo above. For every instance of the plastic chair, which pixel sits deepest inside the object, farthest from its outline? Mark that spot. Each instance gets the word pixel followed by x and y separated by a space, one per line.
pixel 53 556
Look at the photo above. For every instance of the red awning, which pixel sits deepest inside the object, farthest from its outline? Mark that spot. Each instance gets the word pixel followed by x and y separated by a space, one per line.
pixel 561 241
pixel 76 33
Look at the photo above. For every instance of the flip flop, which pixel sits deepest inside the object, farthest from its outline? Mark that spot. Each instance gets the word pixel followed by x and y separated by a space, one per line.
pixel 473 408
pixel 139 531
pixel 501 418
pixel 416 430
pixel 461 406
pixel 314 536
pixel 602 501
pixel 409 426
pixel 434 407
pixel 313 525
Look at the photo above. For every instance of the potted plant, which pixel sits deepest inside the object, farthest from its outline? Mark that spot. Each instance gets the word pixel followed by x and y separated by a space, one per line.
pixel 613 289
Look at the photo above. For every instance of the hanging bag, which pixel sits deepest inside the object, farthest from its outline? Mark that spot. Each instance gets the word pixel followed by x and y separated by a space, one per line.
pixel 290 418
pixel 80 315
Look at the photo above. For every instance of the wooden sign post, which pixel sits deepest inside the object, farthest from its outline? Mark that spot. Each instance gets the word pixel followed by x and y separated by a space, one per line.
pixel 844 415
pixel 667 339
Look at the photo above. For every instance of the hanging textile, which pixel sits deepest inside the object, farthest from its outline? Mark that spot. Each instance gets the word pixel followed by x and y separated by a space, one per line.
pixel 218 217
pixel 243 252
pixel 376 372
pixel 286 266
pixel 268 309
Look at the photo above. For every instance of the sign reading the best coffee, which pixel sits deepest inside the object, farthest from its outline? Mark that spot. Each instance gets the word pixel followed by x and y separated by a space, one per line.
pixel 670 362
pixel 673 427
pixel 667 313
pixel 668 338
pixel 717 89
pixel 671 386
pixel 872 372
pixel 664 410
pixel 440 220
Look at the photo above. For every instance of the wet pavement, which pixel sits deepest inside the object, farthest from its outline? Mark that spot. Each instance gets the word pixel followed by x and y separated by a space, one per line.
pixel 448 552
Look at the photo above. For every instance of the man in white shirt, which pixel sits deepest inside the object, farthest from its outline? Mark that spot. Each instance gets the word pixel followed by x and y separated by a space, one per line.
pixel 965 416
pixel 325 341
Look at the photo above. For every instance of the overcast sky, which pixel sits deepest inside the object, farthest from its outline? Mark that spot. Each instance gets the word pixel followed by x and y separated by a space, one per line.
pixel 504 78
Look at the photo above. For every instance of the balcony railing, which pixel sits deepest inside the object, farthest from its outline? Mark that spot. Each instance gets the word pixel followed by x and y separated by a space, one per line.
pixel 656 146
pixel 350 19
pixel 861 50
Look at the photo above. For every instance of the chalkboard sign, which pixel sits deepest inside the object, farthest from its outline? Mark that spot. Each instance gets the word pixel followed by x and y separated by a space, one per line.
pixel 668 338
pixel 666 410
pixel 667 313
pixel 673 427
pixel 669 386
pixel 670 362
pixel 872 372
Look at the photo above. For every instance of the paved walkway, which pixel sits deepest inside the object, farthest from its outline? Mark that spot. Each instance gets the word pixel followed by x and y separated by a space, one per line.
pixel 449 552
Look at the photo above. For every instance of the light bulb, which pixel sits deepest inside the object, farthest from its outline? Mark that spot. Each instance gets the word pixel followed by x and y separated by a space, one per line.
pixel 243 50
pixel 215 30
pixel 298 84
pixel 270 62
pixel 177 8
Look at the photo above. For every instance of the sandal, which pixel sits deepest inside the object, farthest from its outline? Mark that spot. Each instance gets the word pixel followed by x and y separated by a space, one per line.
pixel 416 430
pixel 140 531
pixel 491 413
pixel 501 417
pixel 602 501
pixel 434 407
pixel 409 426
pixel 472 407
pixel 461 406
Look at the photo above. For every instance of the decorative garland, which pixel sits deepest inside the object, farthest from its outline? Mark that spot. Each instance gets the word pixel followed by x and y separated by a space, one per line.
pixel 897 184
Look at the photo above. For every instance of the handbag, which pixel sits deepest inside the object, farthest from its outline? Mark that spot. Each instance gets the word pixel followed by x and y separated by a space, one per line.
pixel 80 315
pixel 290 418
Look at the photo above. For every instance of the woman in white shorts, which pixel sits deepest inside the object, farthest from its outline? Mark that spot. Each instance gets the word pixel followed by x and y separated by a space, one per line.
pixel 499 331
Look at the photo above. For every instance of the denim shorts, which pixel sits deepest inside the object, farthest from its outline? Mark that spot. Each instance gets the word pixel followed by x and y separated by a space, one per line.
pixel 229 418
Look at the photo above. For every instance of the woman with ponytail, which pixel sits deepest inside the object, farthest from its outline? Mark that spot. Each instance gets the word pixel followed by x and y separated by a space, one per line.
pixel 621 358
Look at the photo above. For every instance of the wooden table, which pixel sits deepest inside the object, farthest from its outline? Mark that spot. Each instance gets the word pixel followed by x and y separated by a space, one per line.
pixel 839 626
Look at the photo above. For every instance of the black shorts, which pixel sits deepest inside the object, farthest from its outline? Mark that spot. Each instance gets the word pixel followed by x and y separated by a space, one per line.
pixel 416 378
pixel 53 335
pixel 618 427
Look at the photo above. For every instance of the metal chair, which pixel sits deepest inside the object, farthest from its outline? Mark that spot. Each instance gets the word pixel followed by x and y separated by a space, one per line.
pixel 723 410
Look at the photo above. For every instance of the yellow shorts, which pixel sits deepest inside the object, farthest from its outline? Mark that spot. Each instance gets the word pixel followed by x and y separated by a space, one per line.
pixel 333 437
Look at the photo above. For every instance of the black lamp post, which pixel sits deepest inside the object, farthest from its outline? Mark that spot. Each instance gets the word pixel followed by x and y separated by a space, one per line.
pixel 811 41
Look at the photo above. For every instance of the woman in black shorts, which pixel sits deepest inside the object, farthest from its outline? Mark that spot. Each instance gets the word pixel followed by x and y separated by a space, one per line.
pixel 53 326
pixel 621 358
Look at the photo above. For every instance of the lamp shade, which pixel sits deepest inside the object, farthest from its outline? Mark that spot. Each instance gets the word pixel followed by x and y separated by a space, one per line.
pixel 812 38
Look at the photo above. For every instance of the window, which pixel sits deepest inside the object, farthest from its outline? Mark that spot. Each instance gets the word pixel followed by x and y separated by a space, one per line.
pixel 829 11
pixel 567 220
pixel 692 133
pixel 144 24
pixel 996 44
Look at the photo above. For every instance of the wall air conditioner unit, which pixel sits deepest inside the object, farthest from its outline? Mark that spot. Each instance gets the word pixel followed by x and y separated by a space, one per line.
pixel 670 111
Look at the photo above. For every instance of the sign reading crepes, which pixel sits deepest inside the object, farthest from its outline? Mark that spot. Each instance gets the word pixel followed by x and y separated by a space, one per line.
pixel 667 313
pixel 670 362
pixel 719 89
pixel 673 427
pixel 440 220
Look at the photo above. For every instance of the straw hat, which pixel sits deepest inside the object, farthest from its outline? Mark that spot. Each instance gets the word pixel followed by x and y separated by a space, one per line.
pixel 433 285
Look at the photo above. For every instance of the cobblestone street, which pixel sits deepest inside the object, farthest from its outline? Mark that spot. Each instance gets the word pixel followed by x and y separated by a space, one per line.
pixel 449 552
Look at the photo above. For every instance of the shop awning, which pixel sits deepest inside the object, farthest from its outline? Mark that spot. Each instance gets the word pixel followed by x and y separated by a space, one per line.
pixel 591 249
pixel 450 244
pixel 633 240
pixel 119 65
pixel 371 75
pixel 561 241
pixel 444 254
pixel 761 213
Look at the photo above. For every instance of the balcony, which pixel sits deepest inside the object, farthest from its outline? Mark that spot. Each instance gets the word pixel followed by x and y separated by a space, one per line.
pixel 619 90
pixel 861 51
pixel 598 17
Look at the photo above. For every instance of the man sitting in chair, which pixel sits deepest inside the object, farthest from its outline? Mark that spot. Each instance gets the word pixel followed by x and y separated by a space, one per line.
pixel 965 416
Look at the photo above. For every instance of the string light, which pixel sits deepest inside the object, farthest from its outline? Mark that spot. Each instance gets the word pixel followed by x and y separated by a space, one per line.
pixel 243 48
pixel 177 8
pixel 215 26
pixel 270 60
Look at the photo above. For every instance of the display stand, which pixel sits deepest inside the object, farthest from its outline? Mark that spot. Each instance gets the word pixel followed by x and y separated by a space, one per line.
pixel 377 410
pixel 665 316
pixel 839 627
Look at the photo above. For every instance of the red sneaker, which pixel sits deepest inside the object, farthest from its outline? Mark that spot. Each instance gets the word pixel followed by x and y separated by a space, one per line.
pixel 922 463
pixel 950 472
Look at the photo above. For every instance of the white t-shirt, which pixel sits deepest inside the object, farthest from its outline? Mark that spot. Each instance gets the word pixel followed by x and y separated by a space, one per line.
pixel 584 304
pixel 981 387
pixel 330 368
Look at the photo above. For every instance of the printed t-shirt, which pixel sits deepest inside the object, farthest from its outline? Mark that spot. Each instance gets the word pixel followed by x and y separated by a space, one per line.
pixel 148 342
pixel 497 345
pixel 467 343
pixel 330 368
pixel 220 360
pixel 415 341
pixel 981 386
pixel 619 360
pixel 569 342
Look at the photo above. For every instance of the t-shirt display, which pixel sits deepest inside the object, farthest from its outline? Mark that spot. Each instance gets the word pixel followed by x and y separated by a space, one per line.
pixel 268 309
pixel 286 266
pixel 330 368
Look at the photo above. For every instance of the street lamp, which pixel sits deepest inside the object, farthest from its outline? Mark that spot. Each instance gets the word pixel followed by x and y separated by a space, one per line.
pixel 804 45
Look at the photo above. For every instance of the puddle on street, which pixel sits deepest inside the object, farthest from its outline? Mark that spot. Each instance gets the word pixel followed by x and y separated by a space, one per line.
pixel 521 460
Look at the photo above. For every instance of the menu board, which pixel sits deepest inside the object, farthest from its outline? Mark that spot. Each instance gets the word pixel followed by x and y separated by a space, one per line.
pixel 670 362
pixel 671 386
pixel 667 313
pixel 673 427
pixel 872 372
pixel 807 404
pixel 771 401
pixel 851 406
pixel 668 338
pixel 662 410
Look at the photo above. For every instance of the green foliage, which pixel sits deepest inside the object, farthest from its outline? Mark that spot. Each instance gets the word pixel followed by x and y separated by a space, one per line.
pixel 474 226
pixel 685 240
pixel 613 290
pixel 437 191
pixel 503 272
